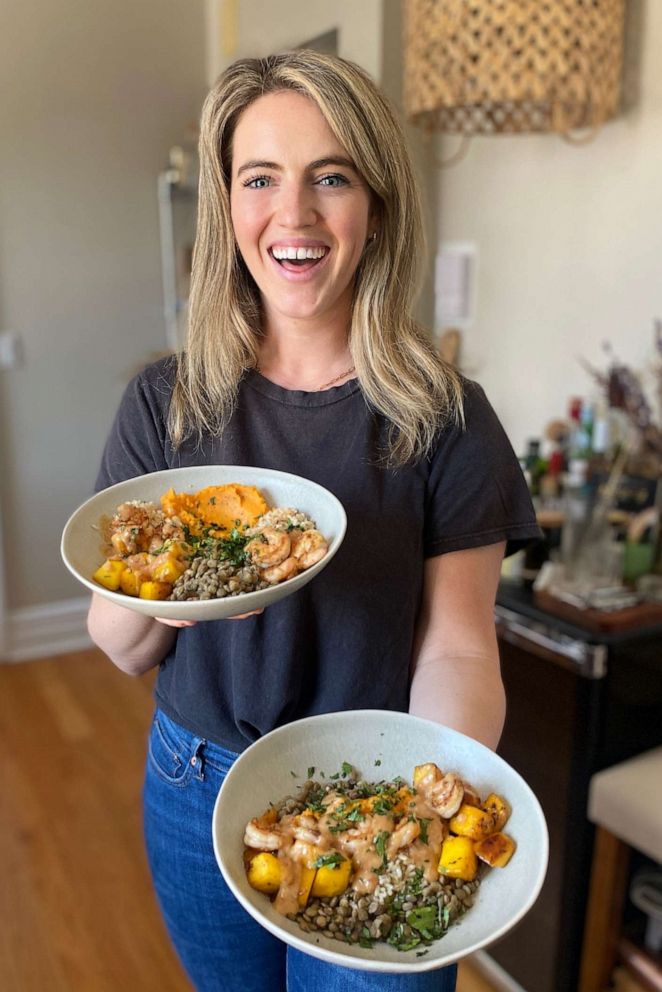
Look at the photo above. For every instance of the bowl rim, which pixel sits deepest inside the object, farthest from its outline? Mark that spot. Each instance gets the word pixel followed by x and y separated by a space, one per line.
pixel 365 963
pixel 247 600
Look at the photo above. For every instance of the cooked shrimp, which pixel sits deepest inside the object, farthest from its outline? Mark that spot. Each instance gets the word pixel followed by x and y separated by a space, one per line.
pixel 305 829
pixel 310 548
pixel 445 796
pixel 262 837
pixel 304 854
pixel 278 573
pixel 403 836
pixel 268 548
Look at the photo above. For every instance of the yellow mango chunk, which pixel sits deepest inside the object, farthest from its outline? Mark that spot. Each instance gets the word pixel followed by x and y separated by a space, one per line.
pixel 429 771
pixel 331 880
pixel 495 850
pixel 129 583
pixel 305 885
pixel 471 821
pixel 109 574
pixel 265 872
pixel 155 590
pixel 168 570
pixel 458 858
pixel 499 808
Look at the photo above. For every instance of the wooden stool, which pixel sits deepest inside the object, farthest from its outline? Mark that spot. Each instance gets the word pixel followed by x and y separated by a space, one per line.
pixel 624 803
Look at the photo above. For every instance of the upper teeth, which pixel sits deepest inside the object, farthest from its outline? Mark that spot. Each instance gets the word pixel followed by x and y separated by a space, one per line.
pixel 298 252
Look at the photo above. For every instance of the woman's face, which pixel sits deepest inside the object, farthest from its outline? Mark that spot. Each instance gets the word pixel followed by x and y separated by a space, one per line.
pixel 300 210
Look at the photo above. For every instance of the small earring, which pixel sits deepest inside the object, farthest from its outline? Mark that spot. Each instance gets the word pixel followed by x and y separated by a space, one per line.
pixel 373 236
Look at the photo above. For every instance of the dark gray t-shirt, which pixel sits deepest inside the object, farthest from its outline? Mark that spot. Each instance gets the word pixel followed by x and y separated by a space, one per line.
pixel 344 641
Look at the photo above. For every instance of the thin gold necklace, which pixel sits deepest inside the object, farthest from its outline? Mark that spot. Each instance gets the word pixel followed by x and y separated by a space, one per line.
pixel 325 385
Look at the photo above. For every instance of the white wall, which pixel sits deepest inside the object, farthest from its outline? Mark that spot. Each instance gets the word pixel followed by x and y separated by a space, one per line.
pixel 569 249
pixel 262 27
pixel 93 96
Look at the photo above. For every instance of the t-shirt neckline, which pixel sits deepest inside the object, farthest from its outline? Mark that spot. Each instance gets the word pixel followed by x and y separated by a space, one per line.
pixel 300 397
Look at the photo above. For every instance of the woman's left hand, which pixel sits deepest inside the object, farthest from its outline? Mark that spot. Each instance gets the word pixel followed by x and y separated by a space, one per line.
pixel 192 623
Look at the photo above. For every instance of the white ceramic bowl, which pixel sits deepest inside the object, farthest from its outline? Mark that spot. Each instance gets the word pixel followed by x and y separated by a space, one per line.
pixel 263 774
pixel 81 539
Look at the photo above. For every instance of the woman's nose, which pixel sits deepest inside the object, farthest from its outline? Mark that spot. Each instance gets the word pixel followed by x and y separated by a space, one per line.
pixel 296 206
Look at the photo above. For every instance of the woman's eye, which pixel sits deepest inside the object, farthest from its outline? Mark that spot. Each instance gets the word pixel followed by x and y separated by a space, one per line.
pixel 257 182
pixel 334 180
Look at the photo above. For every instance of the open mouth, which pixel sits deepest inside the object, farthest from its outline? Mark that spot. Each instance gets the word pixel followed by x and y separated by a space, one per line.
pixel 299 259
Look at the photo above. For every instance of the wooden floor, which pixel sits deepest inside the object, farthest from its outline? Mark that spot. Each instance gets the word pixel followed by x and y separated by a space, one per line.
pixel 77 913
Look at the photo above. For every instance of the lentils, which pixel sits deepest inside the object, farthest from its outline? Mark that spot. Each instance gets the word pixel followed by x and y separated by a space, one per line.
pixel 210 578
pixel 354 918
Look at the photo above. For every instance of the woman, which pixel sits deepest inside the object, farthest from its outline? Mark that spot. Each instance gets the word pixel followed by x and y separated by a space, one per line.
pixel 302 356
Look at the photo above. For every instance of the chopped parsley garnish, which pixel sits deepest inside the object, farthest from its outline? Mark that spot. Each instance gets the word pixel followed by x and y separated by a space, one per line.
pixel 378 763
pixel 399 939
pixel 366 939
pixel 330 860
pixel 311 771
pixel 212 500
pixel 210 544
pixel 382 805
pixel 380 847
pixel 423 919
pixel 346 769
pixel 416 883
pixel 423 824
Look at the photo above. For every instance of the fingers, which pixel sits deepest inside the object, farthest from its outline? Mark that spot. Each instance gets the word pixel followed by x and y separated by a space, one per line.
pixel 242 616
pixel 192 623
pixel 176 623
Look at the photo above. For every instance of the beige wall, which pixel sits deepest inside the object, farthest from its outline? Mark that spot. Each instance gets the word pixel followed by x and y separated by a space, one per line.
pixel 569 248
pixel 265 26
pixel 93 96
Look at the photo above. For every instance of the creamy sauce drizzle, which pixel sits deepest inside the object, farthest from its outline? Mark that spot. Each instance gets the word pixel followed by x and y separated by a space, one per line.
pixel 305 838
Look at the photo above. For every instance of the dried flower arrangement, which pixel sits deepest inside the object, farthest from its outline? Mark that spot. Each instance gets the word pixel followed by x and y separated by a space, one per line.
pixel 623 390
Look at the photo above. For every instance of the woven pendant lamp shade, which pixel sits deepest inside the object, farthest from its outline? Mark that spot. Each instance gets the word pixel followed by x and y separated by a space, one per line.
pixel 485 66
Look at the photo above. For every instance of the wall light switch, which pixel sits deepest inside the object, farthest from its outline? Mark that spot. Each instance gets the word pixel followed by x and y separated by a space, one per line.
pixel 454 284
pixel 11 351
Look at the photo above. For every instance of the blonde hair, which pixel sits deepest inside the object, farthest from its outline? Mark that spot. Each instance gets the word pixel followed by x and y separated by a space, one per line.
pixel 400 373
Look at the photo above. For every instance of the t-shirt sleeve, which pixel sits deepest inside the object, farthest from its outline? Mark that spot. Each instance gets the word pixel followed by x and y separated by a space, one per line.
pixel 137 442
pixel 477 493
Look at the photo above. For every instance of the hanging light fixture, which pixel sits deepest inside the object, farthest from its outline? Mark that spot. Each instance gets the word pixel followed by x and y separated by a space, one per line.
pixel 489 66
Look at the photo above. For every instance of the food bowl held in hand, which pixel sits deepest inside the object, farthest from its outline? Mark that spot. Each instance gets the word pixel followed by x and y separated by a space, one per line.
pixel 381 745
pixel 82 539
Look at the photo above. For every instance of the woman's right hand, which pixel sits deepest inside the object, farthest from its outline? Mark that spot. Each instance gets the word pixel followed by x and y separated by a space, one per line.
pixel 192 623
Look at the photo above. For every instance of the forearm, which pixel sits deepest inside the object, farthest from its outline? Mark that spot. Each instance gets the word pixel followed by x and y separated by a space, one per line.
pixel 133 642
pixel 465 693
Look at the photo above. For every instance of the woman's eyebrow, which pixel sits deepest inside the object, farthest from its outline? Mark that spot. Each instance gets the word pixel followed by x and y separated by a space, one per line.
pixel 319 163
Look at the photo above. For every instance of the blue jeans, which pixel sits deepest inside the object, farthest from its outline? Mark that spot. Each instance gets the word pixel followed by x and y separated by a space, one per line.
pixel 221 947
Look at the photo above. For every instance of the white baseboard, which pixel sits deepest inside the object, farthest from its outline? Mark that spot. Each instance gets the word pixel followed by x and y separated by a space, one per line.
pixel 494 973
pixel 51 629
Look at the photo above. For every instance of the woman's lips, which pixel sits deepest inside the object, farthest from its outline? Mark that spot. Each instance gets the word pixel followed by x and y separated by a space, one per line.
pixel 299 272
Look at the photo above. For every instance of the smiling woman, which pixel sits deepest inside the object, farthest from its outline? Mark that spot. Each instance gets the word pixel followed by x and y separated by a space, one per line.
pixel 302 356
pixel 301 221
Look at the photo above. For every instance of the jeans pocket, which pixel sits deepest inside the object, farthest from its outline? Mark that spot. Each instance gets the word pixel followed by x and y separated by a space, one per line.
pixel 169 754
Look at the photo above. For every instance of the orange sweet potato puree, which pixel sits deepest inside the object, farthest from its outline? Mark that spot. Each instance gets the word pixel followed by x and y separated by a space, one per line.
pixel 216 506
